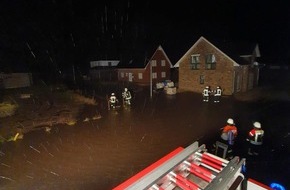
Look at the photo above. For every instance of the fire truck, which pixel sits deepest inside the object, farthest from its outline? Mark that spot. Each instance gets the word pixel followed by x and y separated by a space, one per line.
pixel 194 168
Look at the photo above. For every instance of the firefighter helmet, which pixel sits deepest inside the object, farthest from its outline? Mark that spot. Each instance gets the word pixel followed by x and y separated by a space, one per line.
pixel 230 121
pixel 113 94
pixel 217 87
pixel 257 125
pixel 125 89
pixel 207 87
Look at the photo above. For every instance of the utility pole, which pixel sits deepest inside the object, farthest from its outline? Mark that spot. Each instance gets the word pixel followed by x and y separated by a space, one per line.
pixel 150 79
pixel 74 76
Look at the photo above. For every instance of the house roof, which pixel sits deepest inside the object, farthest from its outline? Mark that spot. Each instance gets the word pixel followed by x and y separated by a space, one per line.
pixel 231 49
pixel 141 59
pixel 104 63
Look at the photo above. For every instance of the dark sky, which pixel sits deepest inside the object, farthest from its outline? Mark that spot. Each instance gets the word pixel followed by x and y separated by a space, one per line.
pixel 55 34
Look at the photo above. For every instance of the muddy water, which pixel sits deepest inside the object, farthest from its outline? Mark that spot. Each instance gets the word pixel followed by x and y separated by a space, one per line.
pixel 100 154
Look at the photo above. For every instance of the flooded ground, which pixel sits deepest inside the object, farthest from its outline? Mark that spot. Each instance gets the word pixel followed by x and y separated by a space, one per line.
pixel 100 154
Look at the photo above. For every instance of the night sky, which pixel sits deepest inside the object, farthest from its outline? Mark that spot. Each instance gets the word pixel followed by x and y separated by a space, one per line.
pixel 52 35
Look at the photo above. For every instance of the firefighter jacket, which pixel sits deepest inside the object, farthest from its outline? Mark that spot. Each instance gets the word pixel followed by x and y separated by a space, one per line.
pixel 227 129
pixel 206 92
pixel 113 99
pixel 218 92
pixel 256 136
pixel 127 95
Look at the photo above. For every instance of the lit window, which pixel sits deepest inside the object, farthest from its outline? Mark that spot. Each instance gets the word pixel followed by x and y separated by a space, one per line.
pixel 163 63
pixel 140 75
pixel 154 75
pixel 163 74
pixel 195 63
pixel 122 75
pixel 153 63
pixel 210 62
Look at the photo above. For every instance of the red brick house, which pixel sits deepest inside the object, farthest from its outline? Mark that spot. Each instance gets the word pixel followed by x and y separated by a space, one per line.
pixel 158 66
pixel 225 64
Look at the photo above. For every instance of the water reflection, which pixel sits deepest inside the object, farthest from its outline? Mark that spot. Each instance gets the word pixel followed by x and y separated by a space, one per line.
pixel 100 154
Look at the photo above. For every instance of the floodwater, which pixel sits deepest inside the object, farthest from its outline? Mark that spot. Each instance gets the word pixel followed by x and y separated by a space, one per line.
pixel 101 154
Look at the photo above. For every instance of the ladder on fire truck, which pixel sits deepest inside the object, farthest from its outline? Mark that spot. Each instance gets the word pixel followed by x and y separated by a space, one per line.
pixel 192 168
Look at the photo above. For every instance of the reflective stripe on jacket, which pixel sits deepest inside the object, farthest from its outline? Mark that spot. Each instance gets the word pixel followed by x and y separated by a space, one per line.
pixel 256 136
pixel 218 92
pixel 206 92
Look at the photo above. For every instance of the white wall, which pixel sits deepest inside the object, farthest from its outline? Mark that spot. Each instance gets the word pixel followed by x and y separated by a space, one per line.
pixel 255 185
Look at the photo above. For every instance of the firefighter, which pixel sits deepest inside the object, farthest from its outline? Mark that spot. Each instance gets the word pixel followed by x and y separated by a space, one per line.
pixel 126 97
pixel 217 94
pixel 229 132
pixel 255 138
pixel 113 101
pixel 205 93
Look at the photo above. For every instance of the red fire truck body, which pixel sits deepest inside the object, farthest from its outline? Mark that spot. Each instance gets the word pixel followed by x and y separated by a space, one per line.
pixel 192 168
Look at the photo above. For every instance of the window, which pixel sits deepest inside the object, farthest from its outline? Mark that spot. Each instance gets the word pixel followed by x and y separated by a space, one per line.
pixel 153 63
pixel 122 75
pixel 201 79
pixel 195 63
pixel 163 63
pixel 140 75
pixel 163 74
pixel 210 62
pixel 154 75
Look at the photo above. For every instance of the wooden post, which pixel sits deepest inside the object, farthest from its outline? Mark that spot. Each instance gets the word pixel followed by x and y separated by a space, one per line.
pixel 108 102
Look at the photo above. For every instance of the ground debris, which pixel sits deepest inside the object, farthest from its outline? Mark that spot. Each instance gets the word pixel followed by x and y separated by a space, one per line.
pixel 44 108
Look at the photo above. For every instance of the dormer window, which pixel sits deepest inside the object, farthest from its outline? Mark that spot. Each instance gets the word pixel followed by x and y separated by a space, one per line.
pixel 195 63
pixel 210 62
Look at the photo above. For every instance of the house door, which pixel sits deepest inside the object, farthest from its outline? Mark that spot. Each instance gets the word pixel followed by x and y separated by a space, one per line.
pixel 130 77
pixel 251 81
pixel 237 83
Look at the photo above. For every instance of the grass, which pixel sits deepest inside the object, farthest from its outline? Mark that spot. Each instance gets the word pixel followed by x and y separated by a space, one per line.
pixel 7 109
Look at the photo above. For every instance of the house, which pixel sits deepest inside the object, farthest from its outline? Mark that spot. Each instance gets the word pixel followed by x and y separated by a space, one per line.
pixel 104 70
pixel 140 70
pixel 225 64
pixel 14 74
